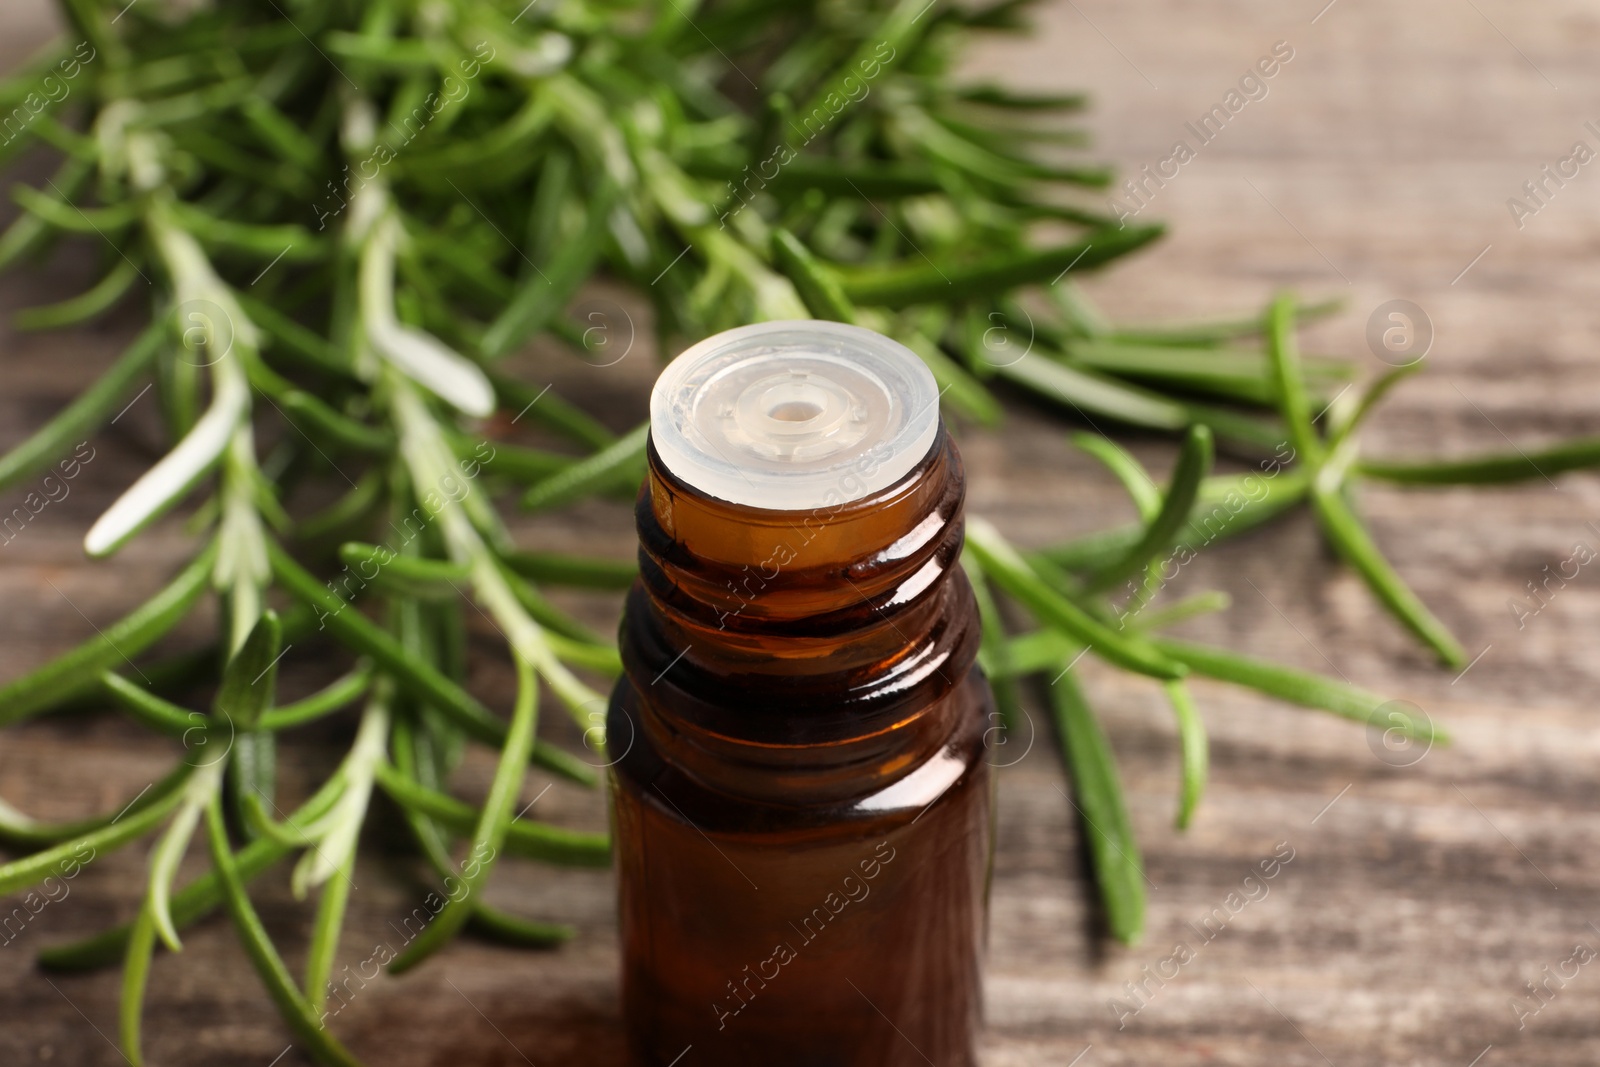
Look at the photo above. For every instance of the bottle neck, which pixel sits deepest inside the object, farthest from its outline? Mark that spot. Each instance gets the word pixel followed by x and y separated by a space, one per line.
pixel 801 655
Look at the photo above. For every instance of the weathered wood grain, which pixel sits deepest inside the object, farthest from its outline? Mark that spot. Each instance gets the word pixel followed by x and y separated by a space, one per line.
pixel 1419 900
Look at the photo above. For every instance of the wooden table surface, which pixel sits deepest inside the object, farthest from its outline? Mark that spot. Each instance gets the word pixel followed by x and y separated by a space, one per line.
pixel 1420 900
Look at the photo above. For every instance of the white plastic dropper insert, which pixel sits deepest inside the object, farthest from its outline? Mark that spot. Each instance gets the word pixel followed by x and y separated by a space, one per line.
pixel 794 415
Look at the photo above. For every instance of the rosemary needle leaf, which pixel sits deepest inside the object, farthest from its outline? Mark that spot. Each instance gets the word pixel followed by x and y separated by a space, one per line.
pixel 873 178
pixel 519 464
pixel 1193 749
pixel 987 162
pixel 1368 402
pixel 315 418
pixel 1039 650
pixel 331 903
pixel 899 30
pixel 164 484
pixel 922 283
pixel 995 653
pixel 432 364
pixel 544 406
pixel 958 389
pixel 301 1017
pixel 563 764
pixel 550 199
pixel 1234 375
pixel 365 636
pixel 338 839
pixel 1283 359
pixel 1297 687
pixel 999 96
pixel 1215 332
pixel 77 671
pixel 1490 468
pixel 252 770
pixel 350 511
pixel 261 824
pixel 603 659
pixel 1089 393
pixel 1094 550
pixel 1085 391
pixel 135 977
pixel 1229 505
pixel 170 849
pixel 581 572
pixel 487 921
pixel 83 307
pixel 288 242
pixel 1353 543
pixel 19 830
pixel 169 718
pixel 618 463
pixel 249 687
pixel 511 930
pixel 154 711
pixel 1181 610
pixel 502 153
pixel 489 836
pixel 433 579
pixel 1113 851
pixel 1080 317
pixel 555 621
pixel 532 840
pixel 21 873
pixel 250 680
pixel 281 131
pixel 74 423
pixel 1129 471
pixel 28 233
pixel 1194 463
pixel 821 291
pixel 1008 570
pixel 544 293
pixel 312 349
pixel 404 56
pixel 419 355
pixel 332 697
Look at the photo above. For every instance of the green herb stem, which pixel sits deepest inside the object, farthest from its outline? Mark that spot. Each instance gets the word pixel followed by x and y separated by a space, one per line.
pixel 1097 793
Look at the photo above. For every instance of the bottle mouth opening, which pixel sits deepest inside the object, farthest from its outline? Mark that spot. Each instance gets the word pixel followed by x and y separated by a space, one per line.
pixel 794 415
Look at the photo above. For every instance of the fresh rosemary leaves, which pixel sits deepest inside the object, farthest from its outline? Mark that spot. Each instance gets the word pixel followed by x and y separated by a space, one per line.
pixel 341 214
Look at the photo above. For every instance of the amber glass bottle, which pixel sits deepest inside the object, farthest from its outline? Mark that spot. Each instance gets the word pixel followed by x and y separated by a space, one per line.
pixel 801 802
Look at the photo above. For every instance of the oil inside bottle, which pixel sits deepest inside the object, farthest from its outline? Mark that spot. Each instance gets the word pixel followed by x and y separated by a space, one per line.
pixel 801 802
